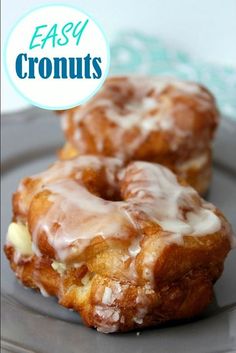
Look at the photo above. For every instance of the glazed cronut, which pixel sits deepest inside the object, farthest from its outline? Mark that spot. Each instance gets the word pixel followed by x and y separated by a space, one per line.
pixel 126 246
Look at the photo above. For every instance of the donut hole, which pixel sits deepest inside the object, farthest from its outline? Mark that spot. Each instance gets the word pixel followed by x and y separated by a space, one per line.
pixel 111 195
pixel 108 192
pixel 98 184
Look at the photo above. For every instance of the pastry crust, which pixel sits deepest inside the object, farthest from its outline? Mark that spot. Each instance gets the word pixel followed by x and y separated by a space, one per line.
pixel 159 120
pixel 126 246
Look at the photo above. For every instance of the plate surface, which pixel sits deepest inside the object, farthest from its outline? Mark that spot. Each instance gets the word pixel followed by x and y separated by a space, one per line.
pixel 33 323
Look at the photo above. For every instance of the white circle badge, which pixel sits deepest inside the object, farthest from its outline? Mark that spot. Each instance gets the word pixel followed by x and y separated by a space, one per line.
pixel 57 57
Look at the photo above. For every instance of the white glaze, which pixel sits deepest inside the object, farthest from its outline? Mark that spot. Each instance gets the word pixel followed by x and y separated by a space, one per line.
pixel 142 109
pixel 176 208
pixel 134 249
pixel 107 296
pixel 81 217
pixel 193 163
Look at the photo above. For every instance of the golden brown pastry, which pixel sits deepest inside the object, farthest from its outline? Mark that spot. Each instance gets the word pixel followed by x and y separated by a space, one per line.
pixel 126 246
pixel 160 120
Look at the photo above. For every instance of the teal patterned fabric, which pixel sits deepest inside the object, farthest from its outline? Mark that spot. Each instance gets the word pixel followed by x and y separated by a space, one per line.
pixel 134 52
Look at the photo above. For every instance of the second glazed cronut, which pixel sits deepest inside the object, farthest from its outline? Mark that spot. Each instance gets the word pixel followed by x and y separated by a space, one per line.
pixel 160 120
pixel 126 247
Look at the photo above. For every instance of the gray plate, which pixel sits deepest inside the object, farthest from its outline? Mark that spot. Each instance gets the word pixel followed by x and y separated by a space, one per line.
pixel 32 323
